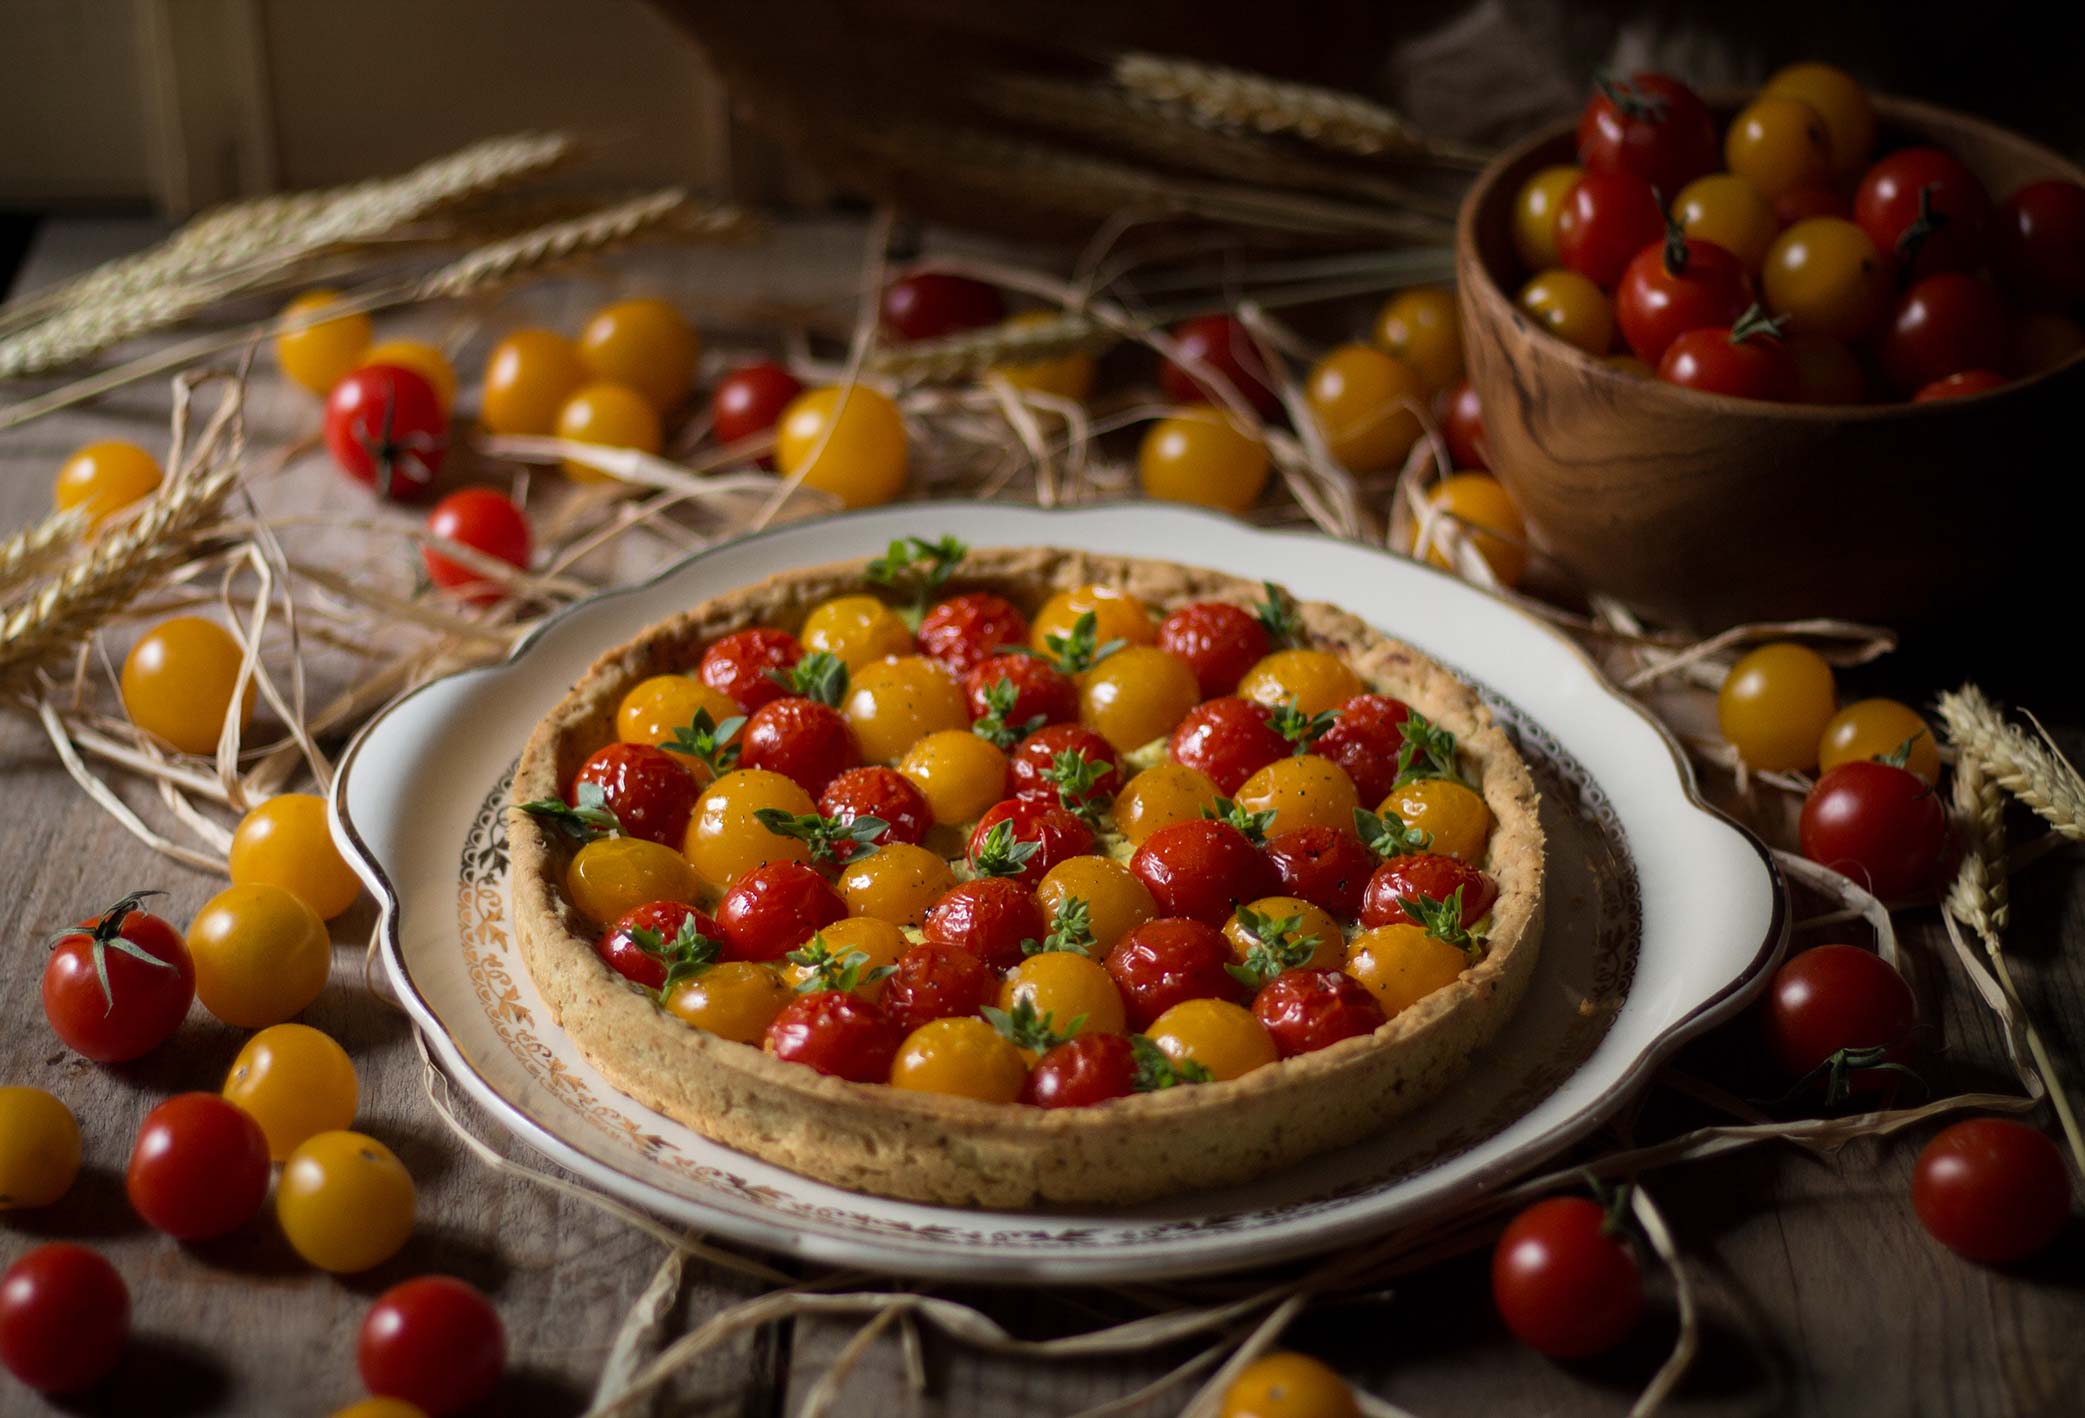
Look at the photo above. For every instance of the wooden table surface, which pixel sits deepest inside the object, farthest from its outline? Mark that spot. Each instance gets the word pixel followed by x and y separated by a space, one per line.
pixel 1820 1293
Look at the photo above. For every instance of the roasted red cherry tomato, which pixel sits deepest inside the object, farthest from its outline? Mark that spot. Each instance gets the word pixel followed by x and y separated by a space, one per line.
pixel 775 908
pixel 1032 759
pixel 1163 962
pixel 64 1318
pixel 485 521
pixel 936 981
pixel 1462 425
pixel 1682 285
pixel 1744 361
pixel 1877 825
pixel 435 1343
pixel 2039 245
pixel 1607 218
pixel 1219 641
pixel 1943 325
pixel 199 1167
pixel 1425 874
pixel 1322 865
pixel 836 1033
pixel 1056 833
pixel 741 665
pixel 1364 740
pixel 1202 870
pixel 1308 1010
pixel 989 918
pixel 800 739
pixel 750 399
pixel 1835 997
pixel 150 983
pixel 927 305
pixel 1927 209
pixel 650 793
pixel 386 428
pixel 625 952
pixel 1041 690
pixel 1991 1189
pixel 1650 126
pixel 964 630
pixel 1956 386
pixel 1221 343
pixel 1229 739
pixel 1564 1282
pixel 1080 1072
pixel 879 792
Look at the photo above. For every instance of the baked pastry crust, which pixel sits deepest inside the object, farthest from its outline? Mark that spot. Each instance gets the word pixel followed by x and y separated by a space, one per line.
pixel 959 1151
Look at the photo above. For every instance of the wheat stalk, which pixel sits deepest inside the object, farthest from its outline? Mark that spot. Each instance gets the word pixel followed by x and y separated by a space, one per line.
pixel 1980 897
pixel 561 241
pixel 2030 768
pixel 960 356
pixel 29 552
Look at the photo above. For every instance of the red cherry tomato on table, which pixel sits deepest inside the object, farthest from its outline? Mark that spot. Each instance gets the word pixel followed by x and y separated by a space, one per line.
pixel 1365 740
pixel 1322 865
pixel 1651 127
pixel 1991 1189
pixel 1607 218
pixel 879 792
pixel 1925 208
pixel 1080 1072
pixel 485 521
pixel 1956 386
pixel 989 918
pixel 1684 284
pixel 1041 690
pixel 1462 426
pixel 1744 361
pixel 143 1003
pixel 800 739
pixel 386 428
pixel 1229 739
pixel 775 908
pixel 1057 834
pixel 1164 962
pixel 1033 756
pixel 965 630
pixel 1563 1283
pixel 739 665
pixel 626 955
pixel 1202 870
pixel 935 981
pixel 1219 642
pixel 2038 248
pixel 1876 824
pixel 650 793
pixel 927 305
pixel 1943 325
pixel 1308 1010
pixel 1826 372
pixel 1425 874
pixel 1801 203
pixel 839 1034
pixel 199 1167
pixel 64 1318
pixel 750 399
pixel 435 1343
pixel 1834 997
pixel 1221 343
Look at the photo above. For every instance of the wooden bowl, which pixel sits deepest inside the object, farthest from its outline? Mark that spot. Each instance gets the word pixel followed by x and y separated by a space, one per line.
pixel 1701 510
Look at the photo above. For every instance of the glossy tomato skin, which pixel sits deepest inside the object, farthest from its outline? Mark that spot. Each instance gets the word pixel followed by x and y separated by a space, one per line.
pixel 1219 642
pixel 1606 219
pixel 773 909
pixel 1164 962
pixel 199 1167
pixel 64 1318
pixel 876 791
pixel 1223 344
pixel 1834 997
pixel 1941 326
pixel 1308 1010
pixel 1032 757
pixel 1058 834
pixel 1425 874
pixel 739 665
pixel 1887 206
pixel 1960 385
pixel 486 521
pixel 1877 825
pixel 1660 132
pixel 145 1003
pixel 1991 1189
pixel 1756 367
pixel 1561 1284
pixel 434 1342
pixel 1229 739
pixel 926 305
pixel 1670 289
pixel 964 630
pixel 989 918
pixel 800 739
pixel 750 399
pixel 839 1034
pixel 1324 866
pixel 1462 425
pixel 2039 243
pixel 1364 740
pixel 386 428
pixel 650 793
pixel 1202 870
pixel 1801 203
pixel 1041 690
pixel 619 948
pixel 936 981
pixel 1081 1072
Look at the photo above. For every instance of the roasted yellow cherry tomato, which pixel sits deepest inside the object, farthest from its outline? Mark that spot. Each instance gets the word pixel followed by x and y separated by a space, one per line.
pixel 962 1057
pixel 1849 119
pixel 296 1083
pixel 1199 456
pixel 1487 515
pixel 1315 680
pixel 1067 376
pixel 1304 791
pixel 1457 818
pixel 285 842
pixel 898 882
pixel 178 681
pixel 859 629
pixel 1424 329
pixel 611 415
pixel 104 478
pixel 736 1000
pixel 1535 210
pixel 422 359
pixel 1312 922
pixel 1117 615
pixel 725 837
pixel 528 377
pixel 1286 1384
pixel 1220 1036
pixel 39 1148
pixel 1160 796
pixel 1774 706
pixel 1877 728
pixel 320 355
pixel 854 450
pixel 1571 308
pixel 1136 695
pixel 1728 211
pixel 261 955
pixel 616 875
pixel 879 940
pixel 345 1202
pixel 1117 902
pixel 892 704
pixel 644 344
pixel 1401 964
pixel 655 707
pixel 1826 276
pixel 1778 144
pixel 1067 986
pixel 1364 402
pixel 957 772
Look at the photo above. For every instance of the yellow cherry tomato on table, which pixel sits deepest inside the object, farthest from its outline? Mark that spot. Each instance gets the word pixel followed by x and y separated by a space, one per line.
pixel 878 941
pixel 528 377
pixel 897 883
pixel 959 773
pixel 1067 987
pixel 1303 791
pixel 1774 705
pixel 847 442
pixel 1839 102
pixel 422 359
pixel 1313 680
pixel 1136 695
pixel 345 1202
pixel 296 1083
pixel 1571 308
pixel 1067 376
pixel 380 1408
pixel 1286 1384
pixel 1160 796
pixel 261 955
pixel 178 681
pixel 893 704
pixel 961 1057
pixel 654 708
pixel 1305 922
pixel 1117 615
pixel 1877 728
pixel 1487 515
pixel 320 354
pixel 1455 817
pixel 1200 457
pixel 285 842
pixel 1535 210
pixel 611 415
pixel 1401 964
pixel 1222 1037
pixel 725 837
pixel 615 875
pixel 103 478
pixel 1363 401
pixel 736 1000
pixel 1730 212
pixel 645 345
pixel 39 1149
pixel 1826 276
pixel 1778 143
pixel 1116 900
pixel 1424 329
pixel 859 629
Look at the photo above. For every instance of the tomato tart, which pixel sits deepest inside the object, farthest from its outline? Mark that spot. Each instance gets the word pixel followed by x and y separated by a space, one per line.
pixel 1014 876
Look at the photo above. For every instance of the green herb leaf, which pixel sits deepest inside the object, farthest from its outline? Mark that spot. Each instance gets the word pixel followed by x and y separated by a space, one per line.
pixel 1387 836
pixel 587 820
pixel 1443 921
pixel 1278 614
pixel 1428 751
pixel 705 739
pixel 1076 653
pixel 1025 1027
pixel 994 727
pixel 1071 930
pixel 1000 853
pixel 1077 779
pixel 917 567
pixel 1157 1069
pixel 819 675
pixel 824 970
pixel 686 956
pixel 1253 824
pixel 1278 944
pixel 829 839
pixel 1299 728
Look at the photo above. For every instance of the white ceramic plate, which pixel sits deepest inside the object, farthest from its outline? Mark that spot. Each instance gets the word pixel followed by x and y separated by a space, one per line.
pixel 1662 919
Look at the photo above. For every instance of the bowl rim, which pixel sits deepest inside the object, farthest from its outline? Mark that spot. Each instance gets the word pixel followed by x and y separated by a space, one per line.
pixel 1898 112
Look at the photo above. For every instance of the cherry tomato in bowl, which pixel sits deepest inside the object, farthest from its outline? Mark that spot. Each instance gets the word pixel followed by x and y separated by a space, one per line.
pixel 2039 243
pixel 1742 361
pixel 1943 325
pixel 1684 284
pixel 1961 385
pixel 1607 218
pixel 120 986
pixel 1650 126
pixel 386 428
pixel 1926 209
